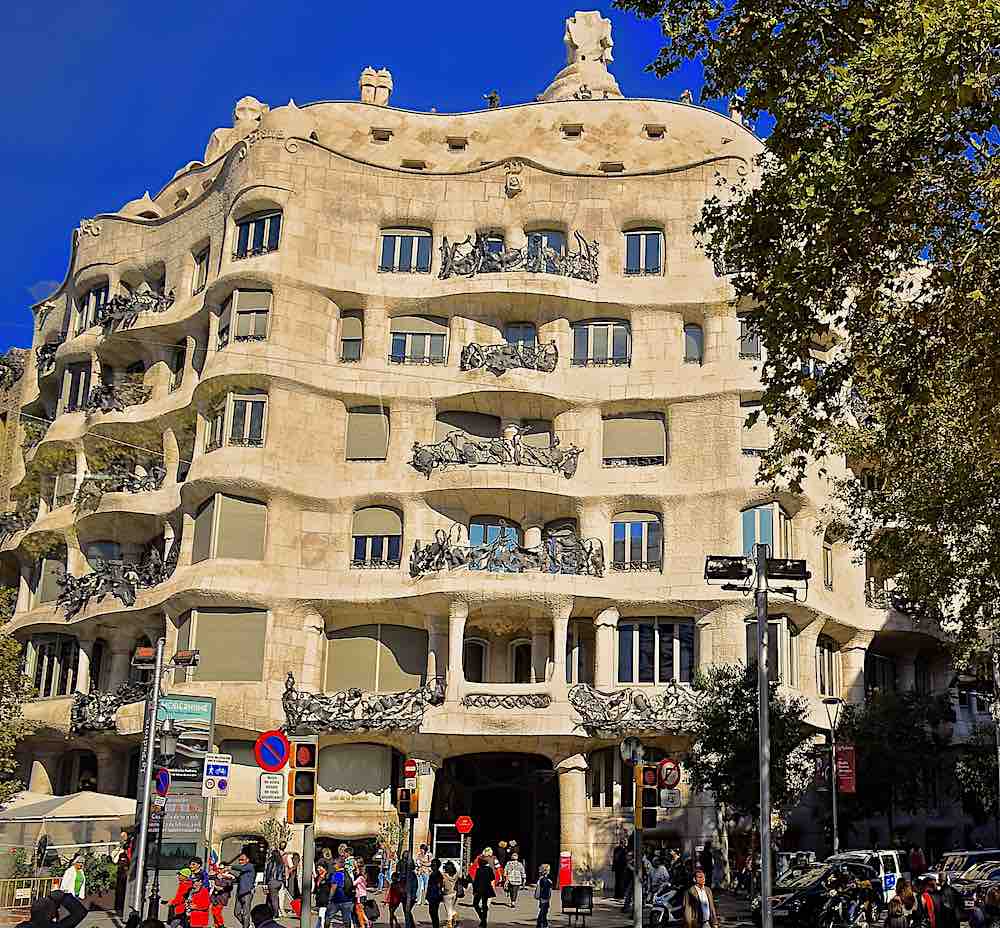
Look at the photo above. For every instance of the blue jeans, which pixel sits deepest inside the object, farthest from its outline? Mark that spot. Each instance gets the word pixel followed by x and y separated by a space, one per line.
pixel 422 879
pixel 543 914
pixel 345 909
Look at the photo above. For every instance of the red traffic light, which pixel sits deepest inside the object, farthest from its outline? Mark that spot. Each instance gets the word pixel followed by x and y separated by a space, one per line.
pixel 304 754
pixel 650 775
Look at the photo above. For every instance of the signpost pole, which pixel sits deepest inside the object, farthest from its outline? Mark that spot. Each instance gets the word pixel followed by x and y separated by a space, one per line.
pixel 308 862
pixel 637 874
pixel 764 740
pixel 154 892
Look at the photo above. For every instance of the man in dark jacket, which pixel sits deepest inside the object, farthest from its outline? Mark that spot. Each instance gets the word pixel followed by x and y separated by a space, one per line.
pixel 246 882
pixel 699 904
pixel 619 863
pixel 45 911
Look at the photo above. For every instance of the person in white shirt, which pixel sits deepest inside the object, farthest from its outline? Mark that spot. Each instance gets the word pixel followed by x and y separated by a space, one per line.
pixel 699 904
pixel 74 880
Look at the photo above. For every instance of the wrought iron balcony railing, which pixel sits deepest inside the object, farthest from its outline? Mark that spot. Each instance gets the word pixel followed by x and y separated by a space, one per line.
pixel 601 362
pixel 673 707
pixel 117 478
pixel 627 566
pixel 45 358
pixel 19 519
pixel 354 710
pixel 11 367
pixel 651 460
pixel 417 359
pixel 561 551
pixel 34 430
pixel 122 311
pixel 254 252
pixel 376 564
pixel 117 579
pixel 239 441
pixel 502 357
pixel 117 397
pixel 460 448
pixel 478 255
pixel 97 711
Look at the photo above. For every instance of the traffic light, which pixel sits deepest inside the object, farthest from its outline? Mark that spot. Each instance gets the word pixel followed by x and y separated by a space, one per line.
pixel 647 781
pixel 302 783
pixel 408 803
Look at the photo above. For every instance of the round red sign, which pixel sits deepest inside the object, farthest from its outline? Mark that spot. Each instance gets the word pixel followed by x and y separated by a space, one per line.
pixel 670 773
pixel 463 824
pixel 271 751
pixel 410 769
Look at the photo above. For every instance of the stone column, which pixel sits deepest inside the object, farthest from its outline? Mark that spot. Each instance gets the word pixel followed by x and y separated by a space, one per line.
pixel 86 656
pixel 852 662
pixel 171 456
pixel 425 783
pixel 604 661
pixel 437 648
pixel 24 588
pixel 109 773
pixel 560 634
pixel 44 766
pixel 121 658
pixel 574 831
pixel 458 614
pixel 539 650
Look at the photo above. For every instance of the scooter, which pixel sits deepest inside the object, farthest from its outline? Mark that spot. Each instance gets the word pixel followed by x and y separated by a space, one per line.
pixel 666 907
pixel 845 910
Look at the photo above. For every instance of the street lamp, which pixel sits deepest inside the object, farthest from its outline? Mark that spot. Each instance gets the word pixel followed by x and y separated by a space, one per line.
pixel 832 704
pixel 167 738
pixel 735 574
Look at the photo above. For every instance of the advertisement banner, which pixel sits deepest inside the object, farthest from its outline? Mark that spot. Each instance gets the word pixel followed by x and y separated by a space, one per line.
pixel 193 718
pixel 822 775
pixel 846 769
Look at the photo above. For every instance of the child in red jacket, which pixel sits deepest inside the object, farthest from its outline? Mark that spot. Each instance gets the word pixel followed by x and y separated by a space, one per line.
pixel 177 912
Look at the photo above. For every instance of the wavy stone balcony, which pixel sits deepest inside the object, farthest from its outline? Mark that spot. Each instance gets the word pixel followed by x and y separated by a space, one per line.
pixel 123 310
pixel 115 397
pixel 117 478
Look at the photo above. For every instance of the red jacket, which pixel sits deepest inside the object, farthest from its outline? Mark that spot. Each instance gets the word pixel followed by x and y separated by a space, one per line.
pixel 184 886
pixel 201 902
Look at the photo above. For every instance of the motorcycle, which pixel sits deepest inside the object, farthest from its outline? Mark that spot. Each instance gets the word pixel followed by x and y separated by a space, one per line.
pixel 666 907
pixel 846 909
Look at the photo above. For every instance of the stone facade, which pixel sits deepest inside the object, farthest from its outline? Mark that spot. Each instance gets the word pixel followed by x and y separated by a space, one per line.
pixel 353 358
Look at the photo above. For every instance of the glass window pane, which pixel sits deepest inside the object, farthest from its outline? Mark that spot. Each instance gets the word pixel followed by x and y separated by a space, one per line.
pixel 749 530
pixel 609 778
pixel 473 661
pixel 406 253
pixel 398 347
pixel 274 232
pixel 239 420
pixel 477 533
pixel 260 323
pixel 773 667
pixel 388 253
pixel 666 668
pixel 360 547
pixel 766 527
pixel 619 529
pixel 580 345
pixel 652 253
pixel 258 235
pixel 635 541
pixel 437 347
pixel 686 635
pixel 600 343
pixel 693 339
pixel 647 653
pixel 395 546
pixel 556 241
pixel 243 239
pixel 377 544
pixel 633 247
pixel 625 653
pixel 351 349
pixel 424 253
pixel 418 346
pixel 256 421
pixel 653 542
pixel 494 245
pixel 244 324
pixel 619 348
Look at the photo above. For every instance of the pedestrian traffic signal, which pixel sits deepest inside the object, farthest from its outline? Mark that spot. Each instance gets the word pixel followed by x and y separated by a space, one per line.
pixel 647 781
pixel 302 783
pixel 408 803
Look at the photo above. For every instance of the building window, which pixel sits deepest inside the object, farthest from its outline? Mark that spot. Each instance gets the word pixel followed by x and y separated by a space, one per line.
pixel 828 564
pixel 521 333
pixel 418 340
pixel 377 535
pixel 88 306
pixel 637 541
pixel 405 251
pixel 230 527
pixel 258 234
pixel 922 676
pixel 655 650
pixel 694 344
pixel 231 643
pixel 601 765
pixel 520 661
pixel 782 649
pixel 240 421
pixel 827 667
pixel 474 425
pixel 548 244
pixel 376 658
pixel 759 528
pixel 352 335
pixel 756 438
pixel 474 660
pixel 252 309
pixel 76 386
pixel 45 586
pixel 580 645
pixel 880 673
pixel 637 439
pixel 643 252
pixel 490 531
pixel 200 270
pixel 871 481
pixel 749 338
pixel 367 433
pixel 602 343
pixel 178 360
pixel 56 660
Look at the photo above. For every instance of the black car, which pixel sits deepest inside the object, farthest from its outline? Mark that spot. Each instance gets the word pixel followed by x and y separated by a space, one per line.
pixel 973 883
pixel 798 898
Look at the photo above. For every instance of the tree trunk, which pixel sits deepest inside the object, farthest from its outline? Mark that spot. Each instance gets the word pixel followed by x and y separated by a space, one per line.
pixel 722 827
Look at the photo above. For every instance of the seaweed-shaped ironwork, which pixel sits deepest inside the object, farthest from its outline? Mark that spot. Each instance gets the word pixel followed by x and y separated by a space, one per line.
pixel 97 711
pixel 117 397
pixel 121 580
pixel 479 254
pixel 11 367
pixel 460 448
pixel 122 311
pixel 19 519
pixel 33 429
pixel 45 358
pixel 561 551
pixel 503 357
pixel 355 710
pixel 629 711
pixel 511 701
pixel 117 478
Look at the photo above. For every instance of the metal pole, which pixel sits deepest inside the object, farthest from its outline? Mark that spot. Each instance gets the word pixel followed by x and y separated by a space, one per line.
pixel 408 899
pixel 637 899
pixel 150 736
pixel 995 707
pixel 154 892
pixel 306 881
pixel 764 741
pixel 833 787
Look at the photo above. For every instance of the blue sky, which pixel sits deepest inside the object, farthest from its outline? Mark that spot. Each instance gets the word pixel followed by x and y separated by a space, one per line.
pixel 108 99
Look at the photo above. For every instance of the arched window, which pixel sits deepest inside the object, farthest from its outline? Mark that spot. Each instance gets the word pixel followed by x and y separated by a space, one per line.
pixel 493 535
pixel 643 252
pixel 547 238
pixel 245 317
pixel 405 251
pixel 54 662
pixel 637 541
pixel 635 439
pixel 89 304
pixel 520 661
pixel 827 667
pixel 257 234
pixel 377 535
pixel 352 334
pixel 694 344
pixel 474 660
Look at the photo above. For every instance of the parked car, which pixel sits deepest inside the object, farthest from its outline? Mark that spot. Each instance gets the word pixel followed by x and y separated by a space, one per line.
pixel 887 864
pixel 800 898
pixel 954 863
pixel 974 882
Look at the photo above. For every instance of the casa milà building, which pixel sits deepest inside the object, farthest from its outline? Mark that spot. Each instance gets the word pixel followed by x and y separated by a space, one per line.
pixel 418 427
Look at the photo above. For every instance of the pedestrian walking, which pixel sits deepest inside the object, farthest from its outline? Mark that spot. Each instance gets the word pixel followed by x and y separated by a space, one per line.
pixel 321 893
pixel 514 877
pixel 449 889
pixel 246 882
pixel 423 862
pixel 699 904
pixel 74 880
pixel 341 895
pixel 619 862
pixel 222 891
pixel 275 875
pixel 393 898
pixel 482 885
pixel 543 893
pixel 409 888
pixel 435 893
pixel 360 893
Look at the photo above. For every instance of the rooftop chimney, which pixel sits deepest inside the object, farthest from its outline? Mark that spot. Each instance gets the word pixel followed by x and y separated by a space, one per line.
pixel 376 86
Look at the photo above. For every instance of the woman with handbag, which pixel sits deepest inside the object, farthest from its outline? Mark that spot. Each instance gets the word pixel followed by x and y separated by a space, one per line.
pixel 450 887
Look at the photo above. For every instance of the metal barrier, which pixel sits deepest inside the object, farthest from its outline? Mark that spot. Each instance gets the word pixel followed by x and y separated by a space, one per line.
pixel 18 893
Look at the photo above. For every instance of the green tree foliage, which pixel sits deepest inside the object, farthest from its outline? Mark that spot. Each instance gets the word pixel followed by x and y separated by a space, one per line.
pixel 15 690
pixel 723 758
pixel 976 770
pixel 275 831
pixel 871 224
pixel 899 747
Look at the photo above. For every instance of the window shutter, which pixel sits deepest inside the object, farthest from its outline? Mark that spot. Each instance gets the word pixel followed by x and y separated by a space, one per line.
pixel 474 424
pixel 351 324
pixel 51 571
pixel 351 655
pixel 367 433
pixel 242 528
pixel 202 548
pixel 636 435
pixel 377 520
pixel 402 661
pixel 244 324
pixel 429 325
pixel 538 434
pixel 253 299
pixel 231 642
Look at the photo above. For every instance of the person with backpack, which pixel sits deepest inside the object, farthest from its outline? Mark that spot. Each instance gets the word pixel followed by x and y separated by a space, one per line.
pixel 341 895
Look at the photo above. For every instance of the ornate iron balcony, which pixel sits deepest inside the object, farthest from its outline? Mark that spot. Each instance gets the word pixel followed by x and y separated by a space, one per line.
pixel 19 519
pixel 460 448
pixel 753 452
pixel 254 252
pixel 560 552
pixel 477 255
pixel 117 397
pixel 11 367
pixel 416 359
pixel 673 708
pixel 601 362
pixel 97 711
pixel 250 338
pixel 498 359
pixel 122 311
pixel 118 478
pixel 510 701
pixel 637 565
pixel 34 430
pixel 239 442
pixel 113 578
pixel 376 564
pixel 354 710
pixel 45 358
pixel 653 460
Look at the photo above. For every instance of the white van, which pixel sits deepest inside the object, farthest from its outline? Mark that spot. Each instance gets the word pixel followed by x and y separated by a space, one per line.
pixel 886 864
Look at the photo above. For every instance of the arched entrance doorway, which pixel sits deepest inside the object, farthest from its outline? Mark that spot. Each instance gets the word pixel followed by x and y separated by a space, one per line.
pixel 508 796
